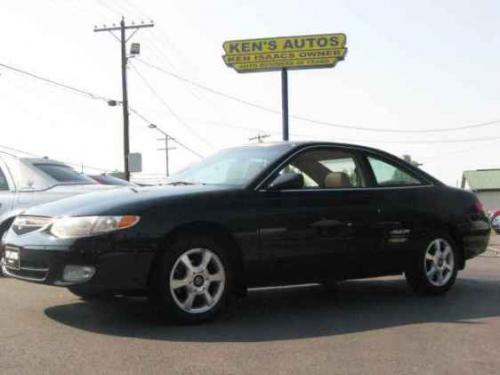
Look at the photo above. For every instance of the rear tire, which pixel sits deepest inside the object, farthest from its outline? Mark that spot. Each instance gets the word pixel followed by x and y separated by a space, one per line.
pixel 434 267
pixel 194 279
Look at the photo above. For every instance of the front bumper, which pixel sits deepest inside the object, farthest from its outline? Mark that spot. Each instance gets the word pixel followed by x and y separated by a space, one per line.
pixel 115 270
pixel 475 237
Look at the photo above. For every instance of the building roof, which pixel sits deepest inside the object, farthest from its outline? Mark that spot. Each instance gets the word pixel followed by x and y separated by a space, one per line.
pixel 482 179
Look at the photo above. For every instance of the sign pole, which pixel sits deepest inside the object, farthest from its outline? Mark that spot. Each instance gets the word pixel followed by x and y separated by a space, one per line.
pixel 284 102
pixel 283 53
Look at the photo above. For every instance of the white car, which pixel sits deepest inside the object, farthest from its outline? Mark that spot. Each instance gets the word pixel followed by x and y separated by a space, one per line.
pixel 495 221
pixel 26 182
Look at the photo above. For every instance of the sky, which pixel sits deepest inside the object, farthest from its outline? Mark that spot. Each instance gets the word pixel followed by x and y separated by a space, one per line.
pixel 411 66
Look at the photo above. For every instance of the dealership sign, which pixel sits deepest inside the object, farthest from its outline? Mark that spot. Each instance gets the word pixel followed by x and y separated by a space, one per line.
pixel 283 54
pixel 296 52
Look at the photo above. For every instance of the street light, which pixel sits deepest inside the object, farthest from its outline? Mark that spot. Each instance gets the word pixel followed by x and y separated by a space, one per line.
pixel 166 139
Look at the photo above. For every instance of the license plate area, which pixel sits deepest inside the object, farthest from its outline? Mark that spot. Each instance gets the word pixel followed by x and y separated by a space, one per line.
pixel 12 257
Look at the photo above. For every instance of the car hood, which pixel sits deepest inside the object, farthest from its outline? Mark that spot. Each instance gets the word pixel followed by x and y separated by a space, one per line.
pixel 79 188
pixel 122 200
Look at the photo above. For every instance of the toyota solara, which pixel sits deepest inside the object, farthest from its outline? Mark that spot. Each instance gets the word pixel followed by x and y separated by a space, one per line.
pixel 273 214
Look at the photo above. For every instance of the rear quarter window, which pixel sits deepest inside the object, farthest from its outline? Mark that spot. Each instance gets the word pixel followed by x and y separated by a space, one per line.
pixel 388 174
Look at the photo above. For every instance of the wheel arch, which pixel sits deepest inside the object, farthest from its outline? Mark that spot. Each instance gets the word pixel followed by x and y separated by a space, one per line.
pixel 5 224
pixel 455 235
pixel 208 228
pixel 450 230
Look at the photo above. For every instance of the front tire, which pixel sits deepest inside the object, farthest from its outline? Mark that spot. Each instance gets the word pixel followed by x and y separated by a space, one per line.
pixel 194 280
pixel 434 268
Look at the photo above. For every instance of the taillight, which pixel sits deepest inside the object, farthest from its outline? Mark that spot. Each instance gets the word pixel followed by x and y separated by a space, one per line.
pixel 478 207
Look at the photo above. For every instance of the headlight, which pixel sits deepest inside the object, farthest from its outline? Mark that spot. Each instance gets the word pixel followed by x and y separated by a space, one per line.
pixel 84 226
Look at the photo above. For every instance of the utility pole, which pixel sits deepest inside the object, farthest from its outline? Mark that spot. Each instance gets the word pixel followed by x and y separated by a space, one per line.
pixel 410 160
pixel 123 39
pixel 259 137
pixel 165 138
pixel 167 149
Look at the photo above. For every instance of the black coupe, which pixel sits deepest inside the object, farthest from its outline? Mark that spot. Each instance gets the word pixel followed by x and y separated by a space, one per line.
pixel 272 214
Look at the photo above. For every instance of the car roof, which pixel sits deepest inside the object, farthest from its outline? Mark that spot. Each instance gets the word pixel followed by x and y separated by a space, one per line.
pixel 42 161
pixel 298 145
pixel 301 144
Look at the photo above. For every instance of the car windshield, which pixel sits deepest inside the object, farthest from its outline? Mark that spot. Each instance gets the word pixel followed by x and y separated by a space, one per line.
pixel 63 173
pixel 110 180
pixel 234 167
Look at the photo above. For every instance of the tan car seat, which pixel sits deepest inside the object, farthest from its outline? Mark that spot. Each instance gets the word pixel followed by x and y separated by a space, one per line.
pixel 337 180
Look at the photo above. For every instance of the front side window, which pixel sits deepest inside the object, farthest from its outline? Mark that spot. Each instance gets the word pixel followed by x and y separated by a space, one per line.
pixel 3 181
pixel 387 174
pixel 63 173
pixel 326 169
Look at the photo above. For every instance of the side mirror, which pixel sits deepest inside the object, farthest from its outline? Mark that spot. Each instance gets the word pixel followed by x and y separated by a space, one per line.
pixel 287 181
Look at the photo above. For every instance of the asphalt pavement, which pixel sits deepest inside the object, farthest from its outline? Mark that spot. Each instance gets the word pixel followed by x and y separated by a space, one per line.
pixel 374 326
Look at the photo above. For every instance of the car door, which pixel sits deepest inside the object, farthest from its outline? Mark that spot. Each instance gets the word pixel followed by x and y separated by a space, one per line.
pixel 309 232
pixel 396 190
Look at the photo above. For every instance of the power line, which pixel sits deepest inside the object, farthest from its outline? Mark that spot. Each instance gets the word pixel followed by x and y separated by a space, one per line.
pixel 457 128
pixel 19 151
pixel 417 141
pixel 147 121
pixel 99 97
pixel 136 9
pixel 352 139
pixel 209 89
pixel 226 125
pixel 109 8
pixel 441 156
pixel 124 38
pixel 307 119
pixel 168 107
pixel 88 94
pixel 187 148
pixel 55 83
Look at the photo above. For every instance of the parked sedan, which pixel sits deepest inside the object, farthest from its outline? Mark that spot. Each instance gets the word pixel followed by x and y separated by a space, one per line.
pixel 274 214
pixel 106 179
pixel 26 182
pixel 495 221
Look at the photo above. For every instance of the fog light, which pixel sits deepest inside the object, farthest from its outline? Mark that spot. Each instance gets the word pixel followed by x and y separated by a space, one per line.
pixel 78 274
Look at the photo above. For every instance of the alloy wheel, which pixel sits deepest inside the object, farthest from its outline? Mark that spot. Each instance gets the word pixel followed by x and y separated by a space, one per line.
pixel 439 262
pixel 197 280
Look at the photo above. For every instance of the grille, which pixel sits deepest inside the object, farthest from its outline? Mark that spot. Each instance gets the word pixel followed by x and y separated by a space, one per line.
pixel 33 270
